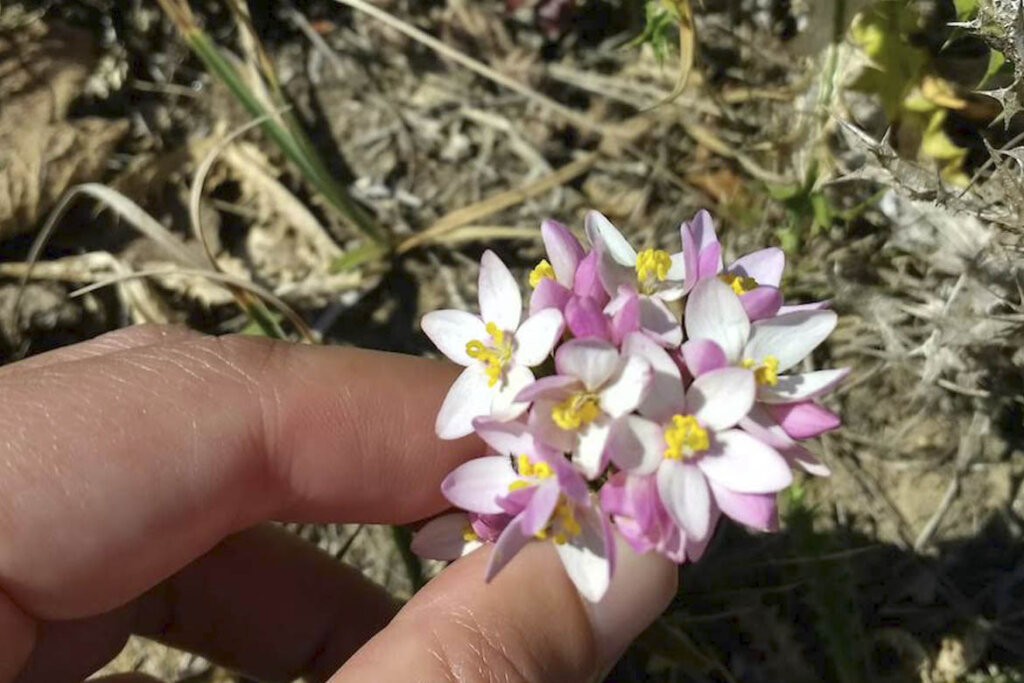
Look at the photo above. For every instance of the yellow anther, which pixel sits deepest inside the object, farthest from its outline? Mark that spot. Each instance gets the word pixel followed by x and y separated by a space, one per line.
pixel 765 373
pixel 562 526
pixel 529 468
pixel 685 438
pixel 576 411
pixel 543 270
pixel 739 283
pixel 652 262
pixel 519 484
pixel 494 357
pixel 468 535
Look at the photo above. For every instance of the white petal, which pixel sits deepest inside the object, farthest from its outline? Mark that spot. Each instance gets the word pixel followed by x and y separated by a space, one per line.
pixel 442 538
pixel 505 438
pixel 801 387
pixel 721 398
pixel 476 484
pixel 684 491
pixel 500 300
pixel 537 336
pixel 602 233
pixel 660 322
pixel 789 337
pixel 624 391
pixel 450 330
pixel 759 424
pixel 743 464
pixel 469 398
pixel 714 312
pixel 590 448
pixel 665 395
pixel 503 404
pixel 636 445
pixel 586 556
pixel 592 360
pixel 509 543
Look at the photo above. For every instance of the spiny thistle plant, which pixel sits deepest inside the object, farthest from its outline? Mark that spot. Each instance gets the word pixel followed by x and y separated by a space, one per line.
pixel 647 422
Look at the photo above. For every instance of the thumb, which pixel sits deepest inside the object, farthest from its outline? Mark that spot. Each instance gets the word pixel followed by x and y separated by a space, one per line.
pixel 528 624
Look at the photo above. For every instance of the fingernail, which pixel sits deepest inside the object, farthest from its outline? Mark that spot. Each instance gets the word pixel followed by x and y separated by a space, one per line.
pixel 641 589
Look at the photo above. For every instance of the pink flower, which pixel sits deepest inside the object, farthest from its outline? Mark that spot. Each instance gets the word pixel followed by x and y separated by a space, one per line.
pixel 495 348
pixel 574 410
pixel 754 277
pixel 547 500
pixel 689 441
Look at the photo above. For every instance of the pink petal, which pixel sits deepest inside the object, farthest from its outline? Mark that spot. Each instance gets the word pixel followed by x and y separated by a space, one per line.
pixel 628 387
pixel 538 511
pixel 563 249
pixel 505 438
pixel 685 494
pixel 554 388
pixel 442 538
pixel 469 397
pixel 537 336
pixel 721 398
pixel 714 312
pixel 636 445
pixel 586 319
pixel 762 426
pixel 764 265
pixel 549 294
pixel 626 316
pixel 804 420
pixel 547 431
pixel 801 387
pixel 710 260
pixel 489 527
pixel 789 338
pixel 756 510
pixel 762 302
pixel 588 279
pixel 511 541
pixel 476 485
pixel 703 355
pixel 613 274
pixel 743 464
pixel 702 227
pixel 593 361
pixel 696 549
pixel 660 322
pixel 500 300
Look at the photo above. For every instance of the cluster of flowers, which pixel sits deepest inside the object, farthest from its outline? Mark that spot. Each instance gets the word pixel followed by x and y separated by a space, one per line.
pixel 630 427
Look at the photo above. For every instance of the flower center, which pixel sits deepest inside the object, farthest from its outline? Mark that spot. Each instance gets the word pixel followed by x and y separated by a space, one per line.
pixel 739 283
pixel 468 535
pixel 543 270
pixel 767 372
pixel 576 411
pixel 494 354
pixel 652 266
pixel 529 468
pixel 685 438
pixel 562 525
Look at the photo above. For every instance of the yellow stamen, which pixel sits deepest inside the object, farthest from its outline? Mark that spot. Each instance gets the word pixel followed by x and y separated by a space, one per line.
pixel 652 262
pixel 576 411
pixel 685 438
pixel 543 270
pixel 494 356
pixel 529 468
pixel 562 526
pixel 739 283
pixel 765 373
pixel 468 535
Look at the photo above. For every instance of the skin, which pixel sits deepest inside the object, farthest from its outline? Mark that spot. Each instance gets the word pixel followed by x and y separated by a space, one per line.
pixel 137 474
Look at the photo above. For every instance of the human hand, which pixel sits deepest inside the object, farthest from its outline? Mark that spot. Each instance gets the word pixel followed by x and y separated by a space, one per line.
pixel 135 473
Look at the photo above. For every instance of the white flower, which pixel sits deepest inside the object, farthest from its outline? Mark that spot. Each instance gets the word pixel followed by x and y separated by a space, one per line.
pixel 496 349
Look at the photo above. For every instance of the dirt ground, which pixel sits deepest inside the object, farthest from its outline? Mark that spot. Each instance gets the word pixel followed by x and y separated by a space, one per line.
pixel 905 565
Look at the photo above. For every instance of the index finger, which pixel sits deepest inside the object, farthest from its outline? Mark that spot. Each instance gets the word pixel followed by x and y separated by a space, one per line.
pixel 144 459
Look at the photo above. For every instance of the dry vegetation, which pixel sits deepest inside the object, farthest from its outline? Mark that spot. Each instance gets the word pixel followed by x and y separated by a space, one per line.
pixel 906 565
